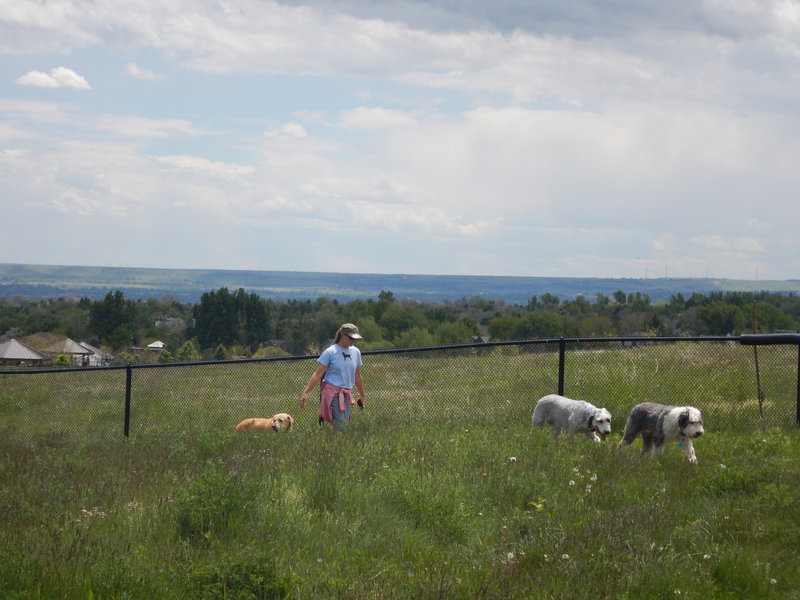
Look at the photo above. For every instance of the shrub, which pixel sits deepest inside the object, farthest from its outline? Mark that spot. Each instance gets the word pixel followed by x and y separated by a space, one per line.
pixel 210 504
pixel 250 575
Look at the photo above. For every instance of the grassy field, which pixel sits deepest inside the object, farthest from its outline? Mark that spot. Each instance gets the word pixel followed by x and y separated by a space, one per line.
pixel 448 493
pixel 409 512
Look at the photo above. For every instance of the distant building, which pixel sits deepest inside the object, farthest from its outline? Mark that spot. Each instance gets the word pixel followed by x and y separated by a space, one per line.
pixel 97 358
pixel 14 353
pixel 79 355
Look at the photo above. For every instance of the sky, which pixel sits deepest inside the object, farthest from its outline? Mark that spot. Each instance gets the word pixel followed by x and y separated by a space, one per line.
pixel 578 138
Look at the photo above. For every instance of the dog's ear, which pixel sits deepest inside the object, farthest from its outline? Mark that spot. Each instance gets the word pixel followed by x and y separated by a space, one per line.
pixel 683 419
pixel 291 422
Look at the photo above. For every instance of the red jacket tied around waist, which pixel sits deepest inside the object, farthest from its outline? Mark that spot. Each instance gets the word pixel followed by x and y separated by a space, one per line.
pixel 327 392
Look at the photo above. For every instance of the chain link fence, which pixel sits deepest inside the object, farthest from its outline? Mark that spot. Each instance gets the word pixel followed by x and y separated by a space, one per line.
pixel 741 383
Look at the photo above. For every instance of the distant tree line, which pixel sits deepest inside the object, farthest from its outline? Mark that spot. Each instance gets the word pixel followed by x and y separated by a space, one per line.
pixel 226 324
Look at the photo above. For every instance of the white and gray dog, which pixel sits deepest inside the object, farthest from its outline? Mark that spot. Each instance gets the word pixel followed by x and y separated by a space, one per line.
pixel 662 424
pixel 576 416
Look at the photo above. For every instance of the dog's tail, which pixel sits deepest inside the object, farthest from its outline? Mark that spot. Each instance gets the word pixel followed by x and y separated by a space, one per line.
pixel 631 430
pixel 538 416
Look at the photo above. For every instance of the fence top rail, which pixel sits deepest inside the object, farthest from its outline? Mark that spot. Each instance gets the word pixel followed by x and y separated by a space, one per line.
pixel 770 339
pixel 761 339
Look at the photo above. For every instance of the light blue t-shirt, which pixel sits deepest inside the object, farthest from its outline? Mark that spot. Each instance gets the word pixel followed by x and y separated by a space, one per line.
pixel 340 365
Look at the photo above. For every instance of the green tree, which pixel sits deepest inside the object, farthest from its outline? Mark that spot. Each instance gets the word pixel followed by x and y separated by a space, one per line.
pixel 448 334
pixel 253 319
pixel 113 320
pixel 502 328
pixel 188 353
pixel 416 337
pixel 639 302
pixel 722 319
pixel 223 318
pixel 216 319
pixel 369 330
pixel 549 301
pixel 533 304
pixel 603 301
pixel 596 326
pixel 269 352
pixel 677 304
pixel 398 318
pixel 540 324
pixel 769 318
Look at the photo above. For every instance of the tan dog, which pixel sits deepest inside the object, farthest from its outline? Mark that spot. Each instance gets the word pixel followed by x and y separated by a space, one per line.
pixel 274 423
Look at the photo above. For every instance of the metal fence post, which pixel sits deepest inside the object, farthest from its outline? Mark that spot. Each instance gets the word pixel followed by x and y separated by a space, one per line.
pixel 562 348
pixel 128 374
pixel 769 339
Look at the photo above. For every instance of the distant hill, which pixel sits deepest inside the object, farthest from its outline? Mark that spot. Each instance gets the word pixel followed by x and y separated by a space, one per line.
pixel 188 285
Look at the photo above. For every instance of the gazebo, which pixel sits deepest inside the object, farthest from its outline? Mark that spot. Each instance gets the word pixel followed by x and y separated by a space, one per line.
pixel 15 353
pixel 76 352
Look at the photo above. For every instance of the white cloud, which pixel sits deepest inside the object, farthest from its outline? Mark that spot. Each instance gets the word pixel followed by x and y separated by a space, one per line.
pixel 729 243
pixel 34 111
pixel 134 126
pixel 15 152
pixel 583 137
pixel 287 130
pixel 376 118
pixel 137 72
pixel 8 132
pixel 60 77
pixel 202 165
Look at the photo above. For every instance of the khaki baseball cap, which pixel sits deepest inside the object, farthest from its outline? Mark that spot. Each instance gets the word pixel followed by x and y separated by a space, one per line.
pixel 349 330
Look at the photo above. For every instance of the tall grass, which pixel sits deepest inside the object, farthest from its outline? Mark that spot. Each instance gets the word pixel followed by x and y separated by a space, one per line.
pixel 451 512
pixel 439 489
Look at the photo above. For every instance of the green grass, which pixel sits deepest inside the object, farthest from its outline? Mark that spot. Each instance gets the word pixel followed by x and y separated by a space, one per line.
pixel 439 489
pixel 406 512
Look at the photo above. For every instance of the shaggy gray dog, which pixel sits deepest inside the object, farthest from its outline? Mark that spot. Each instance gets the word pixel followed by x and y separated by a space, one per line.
pixel 576 416
pixel 662 424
